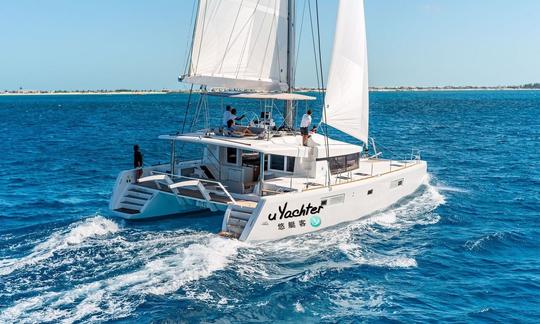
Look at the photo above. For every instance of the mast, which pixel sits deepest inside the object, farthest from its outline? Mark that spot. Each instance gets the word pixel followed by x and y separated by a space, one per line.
pixel 289 108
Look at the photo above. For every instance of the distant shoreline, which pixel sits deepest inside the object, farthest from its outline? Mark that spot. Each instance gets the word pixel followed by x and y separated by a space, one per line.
pixel 534 87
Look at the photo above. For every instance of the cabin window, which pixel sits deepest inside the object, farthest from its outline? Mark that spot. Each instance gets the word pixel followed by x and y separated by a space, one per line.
pixel 250 159
pixel 277 162
pixel 282 163
pixel 231 155
pixel 370 192
pixel 290 163
pixel 343 163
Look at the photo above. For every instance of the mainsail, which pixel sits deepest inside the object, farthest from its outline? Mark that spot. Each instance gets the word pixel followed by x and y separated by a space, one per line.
pixel 347 94
pixel 240 44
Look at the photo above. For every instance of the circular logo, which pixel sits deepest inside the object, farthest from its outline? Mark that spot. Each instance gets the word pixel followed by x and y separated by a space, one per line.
pixel 315 221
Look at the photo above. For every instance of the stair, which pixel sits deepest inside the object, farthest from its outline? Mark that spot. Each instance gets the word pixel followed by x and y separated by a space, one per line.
pixel 207 172
pixel 134 200
pixel 238 217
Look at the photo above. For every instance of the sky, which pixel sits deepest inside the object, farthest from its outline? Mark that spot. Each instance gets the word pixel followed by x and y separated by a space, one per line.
pixel 141 44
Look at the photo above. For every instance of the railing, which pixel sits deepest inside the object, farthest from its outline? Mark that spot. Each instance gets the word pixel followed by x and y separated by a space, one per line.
pixel 202 181
pixel 217 161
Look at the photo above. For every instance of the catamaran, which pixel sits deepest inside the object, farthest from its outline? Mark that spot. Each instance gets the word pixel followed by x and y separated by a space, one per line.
pixel 265 181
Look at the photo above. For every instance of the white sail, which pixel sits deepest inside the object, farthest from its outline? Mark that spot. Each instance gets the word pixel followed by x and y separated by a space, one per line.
pixel 347 95
pixel 240 44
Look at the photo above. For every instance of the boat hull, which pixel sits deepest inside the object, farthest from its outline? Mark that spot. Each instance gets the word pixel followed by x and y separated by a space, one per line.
pixel 293 214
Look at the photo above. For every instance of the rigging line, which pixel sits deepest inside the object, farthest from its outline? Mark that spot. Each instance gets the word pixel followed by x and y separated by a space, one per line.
pixel 230 36
pixel 314 47
pixel 187 109
pixel 243 52
pixel 300 34
pixel 268 41
pixel 244 26
pixel 256 41
pixel 327 143
pixel 189 42
pixel 202 99
pixel 202 34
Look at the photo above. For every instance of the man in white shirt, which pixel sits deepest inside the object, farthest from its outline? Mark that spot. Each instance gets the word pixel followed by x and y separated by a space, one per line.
pixel 226 116
pixel 304 124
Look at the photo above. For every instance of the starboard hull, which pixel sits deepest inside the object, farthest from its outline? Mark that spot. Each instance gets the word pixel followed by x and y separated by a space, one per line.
pixel 280 216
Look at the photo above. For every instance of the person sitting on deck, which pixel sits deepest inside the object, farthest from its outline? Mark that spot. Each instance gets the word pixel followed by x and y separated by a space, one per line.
pixel 137 161
pixel 235 130
pixel 304 124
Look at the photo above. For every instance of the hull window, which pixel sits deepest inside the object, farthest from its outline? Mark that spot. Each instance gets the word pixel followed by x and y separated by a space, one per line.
pixel 370 192
pixel 334 200
pixel 397 183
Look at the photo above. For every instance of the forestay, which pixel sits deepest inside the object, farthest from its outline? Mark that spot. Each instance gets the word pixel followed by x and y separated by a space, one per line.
pixel 240 44
pixel 347 102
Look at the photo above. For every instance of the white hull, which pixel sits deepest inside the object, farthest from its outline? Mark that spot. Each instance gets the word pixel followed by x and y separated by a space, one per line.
pixel 288 214
pixel 345 203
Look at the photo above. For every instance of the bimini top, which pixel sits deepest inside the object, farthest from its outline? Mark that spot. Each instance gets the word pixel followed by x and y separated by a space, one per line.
pixel 283 145
pixel 263 95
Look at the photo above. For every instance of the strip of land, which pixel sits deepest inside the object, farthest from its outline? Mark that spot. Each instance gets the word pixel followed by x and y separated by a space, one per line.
pixel 18 92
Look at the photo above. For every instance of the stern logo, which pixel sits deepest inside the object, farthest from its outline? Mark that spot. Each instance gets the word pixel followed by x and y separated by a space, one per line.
pixel 315 221
pixel 302 211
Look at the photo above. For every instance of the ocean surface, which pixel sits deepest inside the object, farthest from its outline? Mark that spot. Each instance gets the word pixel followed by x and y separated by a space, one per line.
pixel 465 248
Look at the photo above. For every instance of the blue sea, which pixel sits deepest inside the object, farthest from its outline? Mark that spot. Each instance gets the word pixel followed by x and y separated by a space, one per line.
pixel 465 248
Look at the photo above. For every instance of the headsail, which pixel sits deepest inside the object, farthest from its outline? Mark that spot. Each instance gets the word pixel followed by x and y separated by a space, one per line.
pixel 240 44
pixel 347 95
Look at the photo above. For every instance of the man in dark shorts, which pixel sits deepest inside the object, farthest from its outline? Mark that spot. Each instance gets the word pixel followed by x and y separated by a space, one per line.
pixel 304 124
pixel 137 161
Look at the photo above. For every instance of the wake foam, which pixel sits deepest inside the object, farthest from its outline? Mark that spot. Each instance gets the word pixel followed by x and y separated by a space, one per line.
pixel 76 234
pixel 191 257
pixel 416 211
pixel 488 241
pixel 108 279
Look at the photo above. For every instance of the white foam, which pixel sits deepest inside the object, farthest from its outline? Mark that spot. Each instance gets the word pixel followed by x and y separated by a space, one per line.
pixel 117 296
pixel 298 307
pixel 163 262
pixel 479 244
pixel 64 239
pixel 362 256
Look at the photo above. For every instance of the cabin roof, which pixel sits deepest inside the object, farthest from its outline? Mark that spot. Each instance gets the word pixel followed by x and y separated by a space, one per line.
pixel 290 145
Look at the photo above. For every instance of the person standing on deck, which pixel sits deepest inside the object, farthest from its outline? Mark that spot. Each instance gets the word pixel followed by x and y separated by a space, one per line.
pixel 137 161
pixel 304 124
pixel 233 116
pixel 226 116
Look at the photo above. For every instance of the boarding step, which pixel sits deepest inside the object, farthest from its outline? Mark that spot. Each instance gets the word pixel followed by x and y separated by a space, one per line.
pixel 127 211
pixel 127 205
pixel 134 199
pixel 140 192
pixel 238 217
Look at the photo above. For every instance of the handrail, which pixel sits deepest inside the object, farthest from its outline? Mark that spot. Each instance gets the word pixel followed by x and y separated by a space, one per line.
pixel 256 117
pixel 225 191
pixel 217 160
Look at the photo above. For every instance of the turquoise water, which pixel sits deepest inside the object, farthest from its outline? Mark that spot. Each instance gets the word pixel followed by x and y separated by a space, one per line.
pixel 463 249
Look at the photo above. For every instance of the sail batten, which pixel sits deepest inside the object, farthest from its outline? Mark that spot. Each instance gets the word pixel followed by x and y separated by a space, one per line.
pixel 240 44
pixel 347 95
